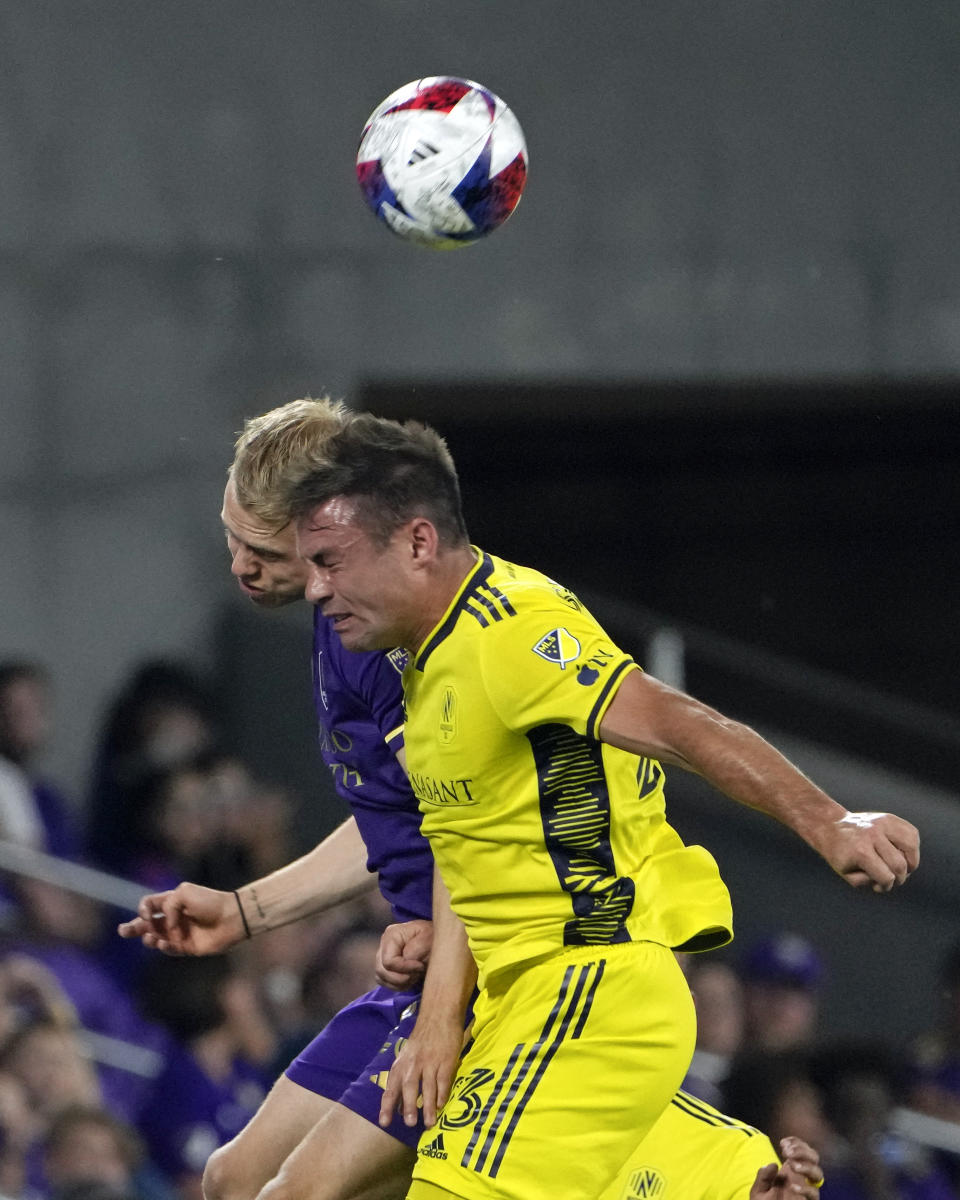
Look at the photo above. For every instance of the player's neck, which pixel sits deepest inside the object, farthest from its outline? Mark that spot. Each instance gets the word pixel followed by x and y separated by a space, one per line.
pixel 450 569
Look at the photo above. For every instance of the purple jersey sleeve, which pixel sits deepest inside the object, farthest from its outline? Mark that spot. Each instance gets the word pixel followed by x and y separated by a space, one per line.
pixel 359 703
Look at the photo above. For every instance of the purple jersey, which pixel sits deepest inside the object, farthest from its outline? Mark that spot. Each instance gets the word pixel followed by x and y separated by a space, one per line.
pixel 359 703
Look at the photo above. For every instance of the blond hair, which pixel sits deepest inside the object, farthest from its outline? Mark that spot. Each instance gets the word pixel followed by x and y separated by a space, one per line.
pixel 277 449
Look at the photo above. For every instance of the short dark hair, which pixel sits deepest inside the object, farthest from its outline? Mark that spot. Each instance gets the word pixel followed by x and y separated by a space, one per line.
pixel 395 471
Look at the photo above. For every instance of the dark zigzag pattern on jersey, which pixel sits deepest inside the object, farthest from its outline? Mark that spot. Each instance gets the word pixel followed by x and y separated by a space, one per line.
pixel 536 1060
pixel 701 1112
pixel 575 816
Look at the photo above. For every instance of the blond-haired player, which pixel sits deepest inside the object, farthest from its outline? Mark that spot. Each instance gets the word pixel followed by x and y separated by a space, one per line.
pixel 317 1134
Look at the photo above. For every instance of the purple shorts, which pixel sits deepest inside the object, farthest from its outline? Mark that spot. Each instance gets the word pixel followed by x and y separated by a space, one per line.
pixel 349 1059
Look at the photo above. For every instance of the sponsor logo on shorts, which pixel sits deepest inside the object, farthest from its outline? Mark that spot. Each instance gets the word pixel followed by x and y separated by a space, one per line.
pixel 645 1184
pixel 435 1149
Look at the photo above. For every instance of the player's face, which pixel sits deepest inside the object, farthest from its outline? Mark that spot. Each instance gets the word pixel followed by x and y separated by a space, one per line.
pixel 265 563
pixel 361 585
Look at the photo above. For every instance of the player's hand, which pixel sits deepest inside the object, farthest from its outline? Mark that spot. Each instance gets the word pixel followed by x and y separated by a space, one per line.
pixel 423 1072
pixel 189 920
pixel 403 954
pixel 872 849
pixel 800 1174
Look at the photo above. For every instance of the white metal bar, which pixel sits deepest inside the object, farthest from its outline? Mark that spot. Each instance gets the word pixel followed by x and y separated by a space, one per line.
pixel 85 881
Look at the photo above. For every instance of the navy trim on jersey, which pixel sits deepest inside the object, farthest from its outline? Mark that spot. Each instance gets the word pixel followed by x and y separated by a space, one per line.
pixel 699 1111
pixel 495 605
pixel 481 573
pixel 604 692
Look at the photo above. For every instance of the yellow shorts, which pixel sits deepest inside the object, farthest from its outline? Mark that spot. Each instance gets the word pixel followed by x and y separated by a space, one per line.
pixel 572 1060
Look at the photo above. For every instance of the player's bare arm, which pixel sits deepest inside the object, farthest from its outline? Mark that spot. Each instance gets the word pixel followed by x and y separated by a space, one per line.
pixel 799 1175
pixel 647 717
pixel 426 1064
pixel 195 920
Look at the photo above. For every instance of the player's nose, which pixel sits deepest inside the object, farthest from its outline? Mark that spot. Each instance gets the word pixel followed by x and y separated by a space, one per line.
pixel 318 588
pixel 242 563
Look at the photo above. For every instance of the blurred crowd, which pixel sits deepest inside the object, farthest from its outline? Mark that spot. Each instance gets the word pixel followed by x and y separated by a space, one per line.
pixel 885 1119
pixel 121 1069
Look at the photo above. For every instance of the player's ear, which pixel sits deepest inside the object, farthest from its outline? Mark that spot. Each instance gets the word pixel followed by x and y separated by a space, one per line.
pixel 424 542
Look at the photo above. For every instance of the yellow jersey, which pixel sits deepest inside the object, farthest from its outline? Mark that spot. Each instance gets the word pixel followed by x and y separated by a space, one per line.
pixel 693 1152
pixel 545 837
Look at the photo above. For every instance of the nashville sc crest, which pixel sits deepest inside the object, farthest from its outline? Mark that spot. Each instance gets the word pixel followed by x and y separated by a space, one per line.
pixel 646 1183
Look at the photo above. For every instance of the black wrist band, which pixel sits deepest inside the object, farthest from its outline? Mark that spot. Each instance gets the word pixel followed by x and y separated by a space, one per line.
pixel 243 916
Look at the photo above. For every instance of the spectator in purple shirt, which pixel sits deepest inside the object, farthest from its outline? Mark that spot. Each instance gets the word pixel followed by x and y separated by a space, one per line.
pixel 214 1077
pixel 59 939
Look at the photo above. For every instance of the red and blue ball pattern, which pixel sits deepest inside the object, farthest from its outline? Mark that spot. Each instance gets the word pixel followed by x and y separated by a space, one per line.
pixel 442 162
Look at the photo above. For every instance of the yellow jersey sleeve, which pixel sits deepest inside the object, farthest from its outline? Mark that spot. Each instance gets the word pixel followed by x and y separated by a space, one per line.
pixel 735 1182
pixel 552 664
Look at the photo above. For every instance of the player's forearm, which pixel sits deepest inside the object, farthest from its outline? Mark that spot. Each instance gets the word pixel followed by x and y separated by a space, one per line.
pixel 451 972
pixel 330 873
pixel 741 764
pixel 649 718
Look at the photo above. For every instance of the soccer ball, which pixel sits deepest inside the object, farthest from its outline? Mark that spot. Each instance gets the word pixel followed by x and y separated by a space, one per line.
pixel 442 162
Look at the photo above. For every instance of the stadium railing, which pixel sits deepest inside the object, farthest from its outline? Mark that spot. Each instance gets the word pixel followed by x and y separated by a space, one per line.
pixel 760 685
pixel 107 889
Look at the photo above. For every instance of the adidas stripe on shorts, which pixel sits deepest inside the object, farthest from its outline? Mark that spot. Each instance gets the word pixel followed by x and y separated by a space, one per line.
pixel 572 1060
